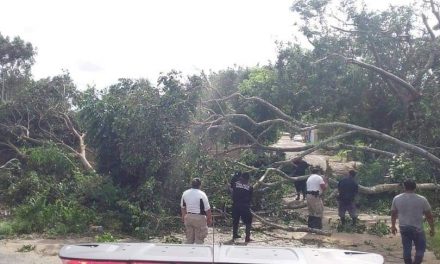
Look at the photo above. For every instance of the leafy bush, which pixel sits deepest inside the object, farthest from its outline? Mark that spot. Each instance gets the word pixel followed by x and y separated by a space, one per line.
pixel 106 237
pixel 434 242
pixel 26 248
pixel 379 229
pixel 50 160
pixel 373 173
pixel 5 229
pixel 405 166
pixel 61 217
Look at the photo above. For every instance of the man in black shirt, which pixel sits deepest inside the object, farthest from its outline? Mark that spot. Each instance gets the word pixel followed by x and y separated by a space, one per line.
pixel 348 189
pixel 241 205
pixel 300 170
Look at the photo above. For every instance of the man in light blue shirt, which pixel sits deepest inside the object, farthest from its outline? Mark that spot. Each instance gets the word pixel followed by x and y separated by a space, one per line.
pixel 409 208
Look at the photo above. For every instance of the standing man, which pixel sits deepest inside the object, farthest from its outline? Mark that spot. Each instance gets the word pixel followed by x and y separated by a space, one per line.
pixel 410 207
pixel 300 170
pixel 315 187
pixel 196 213
pixel 234 178
pixel 348 189
pixel 241 206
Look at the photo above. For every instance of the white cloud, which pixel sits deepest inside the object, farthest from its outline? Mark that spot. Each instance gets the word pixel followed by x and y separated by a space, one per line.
pixel 101 41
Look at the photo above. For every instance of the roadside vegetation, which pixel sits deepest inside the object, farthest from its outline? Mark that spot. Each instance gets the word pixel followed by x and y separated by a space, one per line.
pixel 119 157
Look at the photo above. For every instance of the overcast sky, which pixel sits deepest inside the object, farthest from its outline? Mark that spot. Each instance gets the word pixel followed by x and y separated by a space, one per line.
pixel 101 41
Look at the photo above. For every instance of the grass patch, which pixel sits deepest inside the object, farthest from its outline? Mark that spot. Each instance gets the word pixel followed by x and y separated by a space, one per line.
pixel 379 229
pixel 26 248
pixel 434 242
pixel 106 237
pixel 6 229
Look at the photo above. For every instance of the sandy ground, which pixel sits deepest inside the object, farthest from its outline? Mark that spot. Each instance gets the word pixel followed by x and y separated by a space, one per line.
pixel 46 250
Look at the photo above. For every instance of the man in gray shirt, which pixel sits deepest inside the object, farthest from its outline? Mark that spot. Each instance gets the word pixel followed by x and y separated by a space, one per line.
pixel 410 207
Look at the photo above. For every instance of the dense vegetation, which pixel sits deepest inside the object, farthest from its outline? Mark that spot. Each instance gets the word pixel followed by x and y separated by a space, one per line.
pixel 120 156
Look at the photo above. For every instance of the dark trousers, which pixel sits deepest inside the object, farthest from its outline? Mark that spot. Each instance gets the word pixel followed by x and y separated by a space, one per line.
pixel 300 187
pixel 410 235
pixel 314 222
pixel 243 212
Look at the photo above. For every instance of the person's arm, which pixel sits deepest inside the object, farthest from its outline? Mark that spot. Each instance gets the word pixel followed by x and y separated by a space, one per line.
pixel 183 212
pixel 430 219
pixel 393 221
pixel 323 184
pixel 208 217
pixel 182 209
pixel 207 209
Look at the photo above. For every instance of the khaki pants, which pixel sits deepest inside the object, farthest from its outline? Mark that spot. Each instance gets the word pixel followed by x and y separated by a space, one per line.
pixel 196 228
pixel 315 205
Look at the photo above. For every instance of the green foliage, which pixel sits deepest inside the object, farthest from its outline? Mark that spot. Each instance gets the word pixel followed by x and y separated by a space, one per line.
pixel 26 248
pixel 404 166
pixel 359 228
pixel 106 237
pixel 173 240
pixel 381 204
pixel 137 128
pixel 434 242
pixel 50 160
pixel 60 217
pixel 379 229
pixel 373 173
pixel 5 228
pixel 17 58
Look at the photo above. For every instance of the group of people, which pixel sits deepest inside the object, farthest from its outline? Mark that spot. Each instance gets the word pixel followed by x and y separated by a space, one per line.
pixel 408 207
pixel 196 211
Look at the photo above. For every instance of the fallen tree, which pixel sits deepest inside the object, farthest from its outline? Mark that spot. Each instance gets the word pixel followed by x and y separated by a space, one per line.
pixel 225 121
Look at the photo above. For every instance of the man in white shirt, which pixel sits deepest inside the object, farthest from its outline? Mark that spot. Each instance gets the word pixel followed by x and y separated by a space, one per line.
pixel 196 213
pixel 315 187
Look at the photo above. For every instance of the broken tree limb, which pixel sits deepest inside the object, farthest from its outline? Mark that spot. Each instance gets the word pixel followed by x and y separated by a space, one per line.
pixel 10 163
pixel 413 93
pixel 317 146
pixel 379 135
pixel 293 205
pixel 391 187
pixel 273 108
pixel 361 148
pixel 292 228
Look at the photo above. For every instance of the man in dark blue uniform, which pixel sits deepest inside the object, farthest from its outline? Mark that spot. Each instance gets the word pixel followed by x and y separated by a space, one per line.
pixel 241 205
pixel 348 189
pixel 300 170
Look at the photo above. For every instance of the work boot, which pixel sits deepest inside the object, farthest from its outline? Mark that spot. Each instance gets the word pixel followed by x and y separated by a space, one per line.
pixel 314 222
pixel 235 236
pixel 318 223
pixel 354 219
pixel 418 259
pixel 343 221
pixel 407 260
pixel 247 239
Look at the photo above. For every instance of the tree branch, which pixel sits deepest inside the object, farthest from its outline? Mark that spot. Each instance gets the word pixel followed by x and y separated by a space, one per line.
pixel 379 135
pixel 292 228
pixel 361 148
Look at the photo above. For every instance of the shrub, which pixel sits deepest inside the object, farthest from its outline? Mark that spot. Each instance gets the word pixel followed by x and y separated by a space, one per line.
pixel 106 237
pixel 379 229
pixel 50 160
pixel 434 242
pixel 61 217
pixel 5 229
